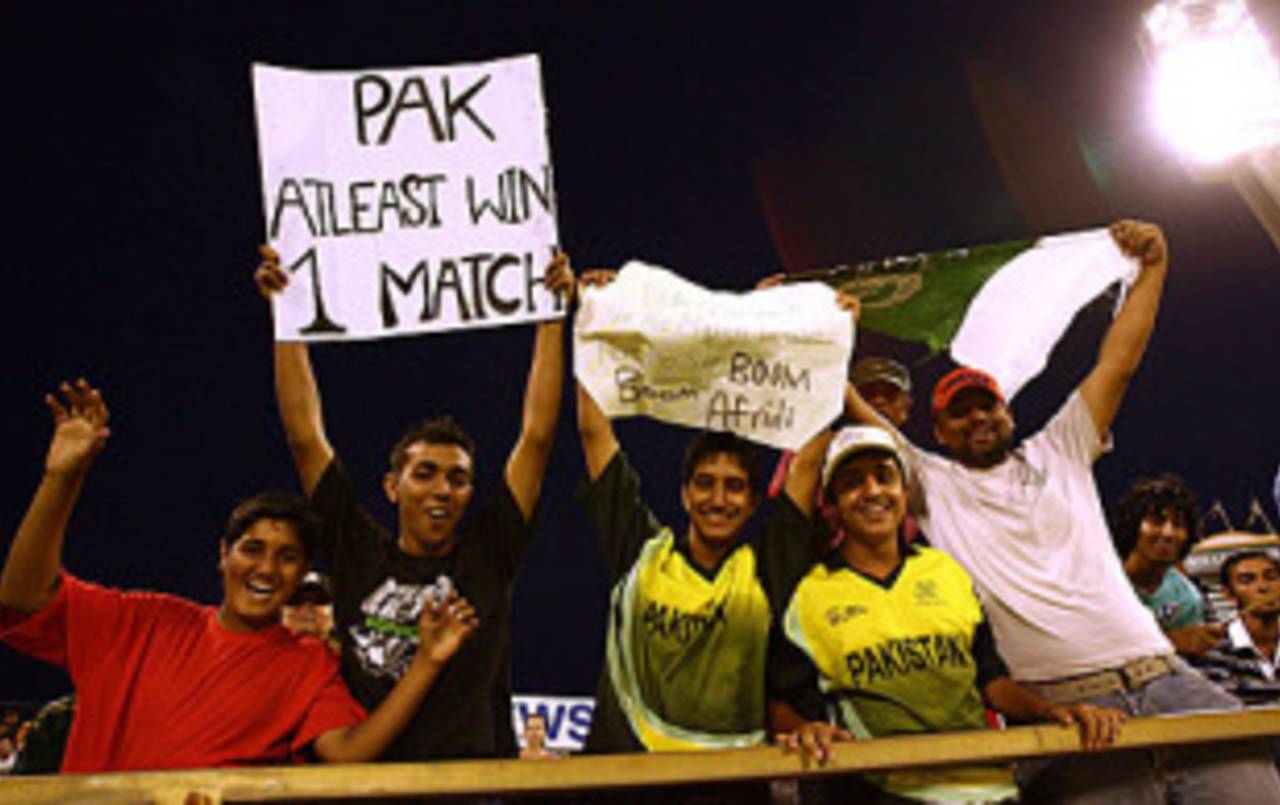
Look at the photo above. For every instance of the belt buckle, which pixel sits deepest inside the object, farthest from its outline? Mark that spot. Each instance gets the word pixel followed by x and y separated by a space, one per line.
pixel 1098 683
pixel 1141 671
pixel 1107 682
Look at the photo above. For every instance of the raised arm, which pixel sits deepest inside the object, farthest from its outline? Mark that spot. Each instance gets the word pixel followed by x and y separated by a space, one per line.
pixel 297 394
pixel 805 472
pixel 855 406
pixel 30 577
pixel 1126 339
pixel 527 463
pixel 862 411
pixel 599 443
pixel 806 466
pixel 442 629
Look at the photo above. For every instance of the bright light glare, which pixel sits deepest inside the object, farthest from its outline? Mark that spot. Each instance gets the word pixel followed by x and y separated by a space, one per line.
pixel 1217 86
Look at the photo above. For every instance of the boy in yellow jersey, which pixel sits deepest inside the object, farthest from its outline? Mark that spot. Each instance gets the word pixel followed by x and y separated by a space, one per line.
pixel 885 638
pixel 689 616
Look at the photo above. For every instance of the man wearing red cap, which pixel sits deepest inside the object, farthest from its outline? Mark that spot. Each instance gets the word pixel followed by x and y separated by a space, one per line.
pixel 1028 525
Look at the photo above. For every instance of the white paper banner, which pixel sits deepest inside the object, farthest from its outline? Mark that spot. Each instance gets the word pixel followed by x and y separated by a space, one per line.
pixel 406 200
pixel 768 365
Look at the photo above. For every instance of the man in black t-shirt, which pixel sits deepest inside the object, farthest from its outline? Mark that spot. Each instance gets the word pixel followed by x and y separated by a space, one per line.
pixel 381 579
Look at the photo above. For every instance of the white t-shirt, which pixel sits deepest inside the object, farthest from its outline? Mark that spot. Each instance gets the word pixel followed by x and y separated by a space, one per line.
pixel 1032 533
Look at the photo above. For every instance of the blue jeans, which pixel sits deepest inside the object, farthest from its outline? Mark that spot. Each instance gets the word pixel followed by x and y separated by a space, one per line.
pixel 1217 773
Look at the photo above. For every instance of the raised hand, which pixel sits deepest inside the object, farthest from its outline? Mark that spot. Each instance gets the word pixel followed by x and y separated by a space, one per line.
pixel 558 276
pixel 444 626
pixel 771 281
pixel 1264 607
pixel 850 304
pixel 1141 240
pixel 79 428
pixel 269 276
pixel 596 278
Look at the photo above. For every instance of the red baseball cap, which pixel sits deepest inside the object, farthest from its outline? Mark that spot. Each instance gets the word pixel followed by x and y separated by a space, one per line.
pixel 957 380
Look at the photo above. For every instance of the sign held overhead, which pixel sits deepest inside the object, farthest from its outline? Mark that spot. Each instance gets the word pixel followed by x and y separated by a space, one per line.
pixel 407 200
pixel 768 365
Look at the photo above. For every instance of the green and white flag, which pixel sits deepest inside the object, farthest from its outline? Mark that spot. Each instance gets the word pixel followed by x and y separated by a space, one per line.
pixel 1000 308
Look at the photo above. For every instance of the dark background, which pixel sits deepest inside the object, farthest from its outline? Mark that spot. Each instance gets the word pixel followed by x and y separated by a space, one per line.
pixel 724 140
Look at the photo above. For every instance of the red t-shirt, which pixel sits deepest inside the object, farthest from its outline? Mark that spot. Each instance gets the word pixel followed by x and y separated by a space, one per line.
pixel 160 684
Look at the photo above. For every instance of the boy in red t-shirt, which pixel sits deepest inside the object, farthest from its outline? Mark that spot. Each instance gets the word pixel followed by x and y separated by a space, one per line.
pixel 163 682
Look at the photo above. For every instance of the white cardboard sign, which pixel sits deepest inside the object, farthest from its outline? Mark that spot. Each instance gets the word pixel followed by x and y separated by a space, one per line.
pixel 407 200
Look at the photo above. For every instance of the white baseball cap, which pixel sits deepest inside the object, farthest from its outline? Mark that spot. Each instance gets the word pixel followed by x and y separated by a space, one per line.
pixel 859 439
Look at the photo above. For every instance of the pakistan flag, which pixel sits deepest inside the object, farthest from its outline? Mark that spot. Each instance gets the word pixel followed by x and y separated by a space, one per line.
pixel 1000 308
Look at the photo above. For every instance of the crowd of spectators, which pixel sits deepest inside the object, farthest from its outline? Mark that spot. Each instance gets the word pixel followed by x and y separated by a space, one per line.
pixel 1005 595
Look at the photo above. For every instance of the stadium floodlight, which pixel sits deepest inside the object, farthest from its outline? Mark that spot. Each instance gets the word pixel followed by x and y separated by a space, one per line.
pixel 1217 84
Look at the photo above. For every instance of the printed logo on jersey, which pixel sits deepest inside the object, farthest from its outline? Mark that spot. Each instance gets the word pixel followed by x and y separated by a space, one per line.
pixel 1027 475
pixel 674 624
pixel 839 614
pixel 926 593
pixel 387 636
pixel 901 655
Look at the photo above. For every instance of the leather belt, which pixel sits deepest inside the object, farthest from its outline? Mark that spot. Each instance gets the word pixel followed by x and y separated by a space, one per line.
pixel 1130 676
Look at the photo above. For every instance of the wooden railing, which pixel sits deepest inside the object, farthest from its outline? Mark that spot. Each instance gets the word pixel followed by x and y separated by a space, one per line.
pixel 498 777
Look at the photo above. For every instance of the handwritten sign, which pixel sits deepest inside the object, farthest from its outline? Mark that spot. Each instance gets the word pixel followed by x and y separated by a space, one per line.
pixel 768 365
pixel 407 200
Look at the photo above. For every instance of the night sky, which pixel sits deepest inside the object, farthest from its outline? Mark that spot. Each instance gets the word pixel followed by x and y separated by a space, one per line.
pixel 722 140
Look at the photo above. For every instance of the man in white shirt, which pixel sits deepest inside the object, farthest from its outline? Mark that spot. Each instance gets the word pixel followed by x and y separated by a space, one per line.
pixel 1028 525
pixel 1247 661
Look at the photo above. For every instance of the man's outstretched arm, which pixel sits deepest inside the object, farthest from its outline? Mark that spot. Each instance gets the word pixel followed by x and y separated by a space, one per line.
pixel 527 464
pixel 30 577
pixel 1099 726
pixel 297 394
pixel 1126 339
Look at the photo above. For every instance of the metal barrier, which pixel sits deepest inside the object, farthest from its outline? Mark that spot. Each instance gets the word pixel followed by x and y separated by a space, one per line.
pixel 499 777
